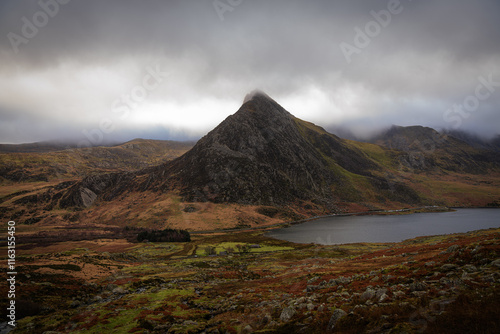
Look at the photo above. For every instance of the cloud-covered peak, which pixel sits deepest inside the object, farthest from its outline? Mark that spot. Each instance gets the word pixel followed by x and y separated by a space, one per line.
pixel 255 93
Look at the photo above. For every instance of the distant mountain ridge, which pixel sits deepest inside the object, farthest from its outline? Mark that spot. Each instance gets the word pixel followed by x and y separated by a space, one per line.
pixel 48 161
pixel 442 151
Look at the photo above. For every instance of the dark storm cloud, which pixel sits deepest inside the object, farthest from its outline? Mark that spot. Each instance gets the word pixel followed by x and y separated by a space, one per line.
pixel 427 58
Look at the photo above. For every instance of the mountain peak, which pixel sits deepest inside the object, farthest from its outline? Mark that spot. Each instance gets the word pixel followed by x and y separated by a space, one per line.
pixel 255 93
pixel 263 109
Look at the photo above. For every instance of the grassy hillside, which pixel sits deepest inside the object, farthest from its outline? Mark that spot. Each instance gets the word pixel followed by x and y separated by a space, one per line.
pixel 70 163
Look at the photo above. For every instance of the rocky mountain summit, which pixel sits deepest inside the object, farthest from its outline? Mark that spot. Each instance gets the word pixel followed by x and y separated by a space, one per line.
pixel 264 155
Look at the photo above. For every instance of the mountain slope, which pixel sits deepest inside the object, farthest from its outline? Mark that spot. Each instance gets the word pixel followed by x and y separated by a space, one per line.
pixel 430 150
pixel 39 162
pixel 261 155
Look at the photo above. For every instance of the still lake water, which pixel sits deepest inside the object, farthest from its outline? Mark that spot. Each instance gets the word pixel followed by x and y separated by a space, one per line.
pixel 395 228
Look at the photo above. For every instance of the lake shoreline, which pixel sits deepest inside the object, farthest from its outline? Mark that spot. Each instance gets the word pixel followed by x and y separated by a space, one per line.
pixel 361 228
pixel 404 211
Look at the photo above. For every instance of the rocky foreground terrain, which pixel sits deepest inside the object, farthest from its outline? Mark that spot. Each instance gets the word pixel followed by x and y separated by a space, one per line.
pixel 248 283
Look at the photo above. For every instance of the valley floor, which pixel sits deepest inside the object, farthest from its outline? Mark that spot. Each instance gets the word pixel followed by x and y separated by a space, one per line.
pixel 438 284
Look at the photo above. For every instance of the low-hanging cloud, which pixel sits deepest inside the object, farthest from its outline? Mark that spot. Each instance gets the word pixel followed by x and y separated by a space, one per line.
pixel 66 78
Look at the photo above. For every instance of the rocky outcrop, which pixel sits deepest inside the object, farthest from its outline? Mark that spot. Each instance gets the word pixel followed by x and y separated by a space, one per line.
pixel 106 186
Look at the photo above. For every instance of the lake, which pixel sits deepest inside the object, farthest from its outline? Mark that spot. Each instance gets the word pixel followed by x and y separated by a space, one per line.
pixel 387 228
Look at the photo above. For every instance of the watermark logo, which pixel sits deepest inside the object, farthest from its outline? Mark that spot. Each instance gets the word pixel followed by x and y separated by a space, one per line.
pixel 458 112
pixel 372 29
pixel 223 6
pixel 11 273
pixel 31 27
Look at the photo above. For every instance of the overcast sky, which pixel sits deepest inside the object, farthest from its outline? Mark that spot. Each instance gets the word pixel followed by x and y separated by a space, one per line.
pixel 115 70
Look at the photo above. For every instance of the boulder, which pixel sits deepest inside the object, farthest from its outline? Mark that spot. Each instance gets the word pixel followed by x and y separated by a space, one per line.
pixel 452 249
pixel 496 263
pixel 380 292
pixel 418 286
pixel 287 314
pixel 247 329
pixel 368 294
pixel 336 316
pixel 470 268
pixel 119 291
pixel 448 267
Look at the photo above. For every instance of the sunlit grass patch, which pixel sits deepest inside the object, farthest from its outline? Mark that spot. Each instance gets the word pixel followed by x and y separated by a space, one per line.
pixel 119 322
pixel 156 249
pixel 238 247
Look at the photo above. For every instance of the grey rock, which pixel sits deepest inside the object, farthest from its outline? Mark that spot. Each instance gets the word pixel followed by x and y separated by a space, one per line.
pixel 247 329
pixel 470 268
pixel 476 249
pixel 465 276
pixel 312 280
pixel 287 314
pixel 119 291
pixel 445 281
pixel 343 280
pixel 398 294
pixel 380 292
pixel 419 294
pixel 368 294
pixel 418 286
pixel 383 298
pixel 452 249
pixel 87 197
pixel 75 303
pixel 496 263
pixel 311 288
pixel 386 278
pixel 273 324
pixel 336 316
pixel 96 299
pixel 448 267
